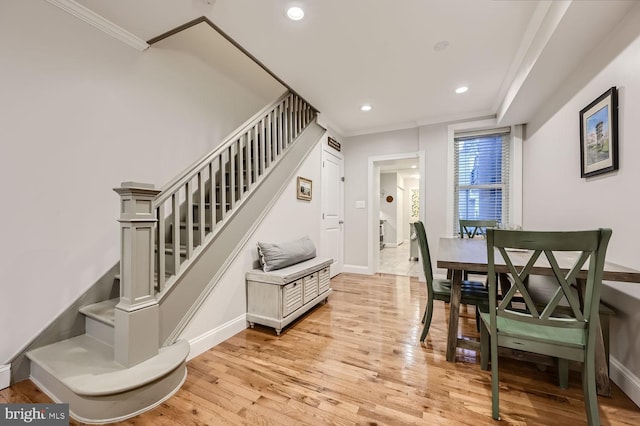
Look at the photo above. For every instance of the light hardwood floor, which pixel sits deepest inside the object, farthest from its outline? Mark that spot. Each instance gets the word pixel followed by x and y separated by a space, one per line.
pixel 357 361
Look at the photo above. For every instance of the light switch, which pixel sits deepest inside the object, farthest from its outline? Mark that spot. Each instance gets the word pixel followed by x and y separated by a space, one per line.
pixel 360 204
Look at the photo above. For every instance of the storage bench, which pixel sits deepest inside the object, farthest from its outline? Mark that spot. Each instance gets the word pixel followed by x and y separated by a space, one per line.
pixel 276 298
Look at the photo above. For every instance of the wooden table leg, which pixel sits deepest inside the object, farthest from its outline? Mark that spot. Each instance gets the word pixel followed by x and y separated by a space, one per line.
pixel 603 385
pixel 454 313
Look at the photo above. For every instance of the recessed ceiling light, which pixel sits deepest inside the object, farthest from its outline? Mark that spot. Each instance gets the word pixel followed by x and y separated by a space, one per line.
pixel 295 13
pixel 414 167
pixel 366 107
pixel 441 45
pixel 462 89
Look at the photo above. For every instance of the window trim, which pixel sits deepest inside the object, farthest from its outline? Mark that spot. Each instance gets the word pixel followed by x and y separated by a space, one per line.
pixel 515 173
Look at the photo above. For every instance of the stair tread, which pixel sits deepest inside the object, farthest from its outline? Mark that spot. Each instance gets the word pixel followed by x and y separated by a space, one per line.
pixel 102 311
pixel 87 366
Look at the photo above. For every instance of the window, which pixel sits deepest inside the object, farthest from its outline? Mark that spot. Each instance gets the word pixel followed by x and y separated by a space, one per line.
pixel 481 176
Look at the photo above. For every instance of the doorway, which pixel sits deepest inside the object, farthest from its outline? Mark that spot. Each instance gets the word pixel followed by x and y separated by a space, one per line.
pixel 395 193
pixel 332 236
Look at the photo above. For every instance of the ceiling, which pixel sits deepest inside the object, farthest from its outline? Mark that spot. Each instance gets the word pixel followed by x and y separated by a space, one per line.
pixel 512 54
pixel 407 168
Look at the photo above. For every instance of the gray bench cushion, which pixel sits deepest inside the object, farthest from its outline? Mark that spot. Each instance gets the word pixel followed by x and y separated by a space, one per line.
pixel 279 255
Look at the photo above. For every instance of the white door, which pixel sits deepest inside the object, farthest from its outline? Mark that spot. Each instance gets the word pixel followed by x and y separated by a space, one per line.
pixel 332 238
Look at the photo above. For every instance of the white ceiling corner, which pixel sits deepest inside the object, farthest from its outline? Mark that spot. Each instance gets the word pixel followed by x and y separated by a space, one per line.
pixel 92 18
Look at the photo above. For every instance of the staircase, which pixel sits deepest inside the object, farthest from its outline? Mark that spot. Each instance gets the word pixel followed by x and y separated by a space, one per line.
pixel 175 245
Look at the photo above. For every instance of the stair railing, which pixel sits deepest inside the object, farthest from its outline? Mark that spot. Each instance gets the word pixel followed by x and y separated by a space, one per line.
pixel 191 209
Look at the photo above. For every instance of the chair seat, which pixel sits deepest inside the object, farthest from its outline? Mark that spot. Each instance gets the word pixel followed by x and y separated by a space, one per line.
pixel 570 338
pixel 471 290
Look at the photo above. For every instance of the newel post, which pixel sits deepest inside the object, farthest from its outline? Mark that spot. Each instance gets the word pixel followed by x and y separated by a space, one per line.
pixel 137 328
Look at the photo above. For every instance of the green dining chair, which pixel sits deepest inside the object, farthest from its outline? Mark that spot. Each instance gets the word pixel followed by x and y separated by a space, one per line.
pixel 567 334
pixel 473 292
pixel 471 228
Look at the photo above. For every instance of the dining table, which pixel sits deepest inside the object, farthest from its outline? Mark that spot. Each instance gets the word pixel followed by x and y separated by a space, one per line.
pixel 458 255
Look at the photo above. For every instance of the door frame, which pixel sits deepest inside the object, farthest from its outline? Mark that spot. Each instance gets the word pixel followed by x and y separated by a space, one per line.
pixel 373 248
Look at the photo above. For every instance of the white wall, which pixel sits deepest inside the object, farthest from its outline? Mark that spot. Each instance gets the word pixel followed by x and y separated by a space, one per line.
pixel 430 139
pixel 81 112
pixel 400 220
pixel 223 313
pixel 555 197
pixel 388 210
pixel 357 151
pixel 434 141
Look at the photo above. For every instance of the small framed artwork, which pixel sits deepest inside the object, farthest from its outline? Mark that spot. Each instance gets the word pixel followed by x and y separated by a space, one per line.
pixel 599 135
pixel 304 189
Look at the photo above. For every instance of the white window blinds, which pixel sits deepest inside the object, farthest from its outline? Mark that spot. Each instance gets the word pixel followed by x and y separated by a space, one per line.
pixel 481 162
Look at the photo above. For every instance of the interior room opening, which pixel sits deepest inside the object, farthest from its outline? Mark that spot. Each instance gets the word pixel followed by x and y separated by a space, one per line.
pixel 399 207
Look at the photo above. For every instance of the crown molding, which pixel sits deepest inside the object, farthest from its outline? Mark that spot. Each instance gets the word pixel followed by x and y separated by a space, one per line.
pixel 97 21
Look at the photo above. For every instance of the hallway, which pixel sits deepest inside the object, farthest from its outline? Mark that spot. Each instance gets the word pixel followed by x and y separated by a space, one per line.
pixel 395 260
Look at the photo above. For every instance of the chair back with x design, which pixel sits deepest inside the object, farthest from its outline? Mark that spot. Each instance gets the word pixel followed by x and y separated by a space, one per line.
pixel 471 228
pixel 565 326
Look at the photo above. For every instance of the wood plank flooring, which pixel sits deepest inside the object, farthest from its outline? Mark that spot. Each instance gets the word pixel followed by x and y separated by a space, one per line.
pixel 357 361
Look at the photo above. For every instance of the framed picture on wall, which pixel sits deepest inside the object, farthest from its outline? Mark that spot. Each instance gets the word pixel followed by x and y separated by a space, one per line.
pixel 599 135
pixel 304 190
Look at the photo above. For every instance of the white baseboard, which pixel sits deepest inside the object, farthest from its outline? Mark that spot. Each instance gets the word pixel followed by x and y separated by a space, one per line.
pixel 211 338
pixel 628 382
pixel 5 376
pixel 355 269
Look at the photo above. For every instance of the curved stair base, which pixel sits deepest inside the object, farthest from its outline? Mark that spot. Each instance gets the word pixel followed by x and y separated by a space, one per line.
pixel 106 394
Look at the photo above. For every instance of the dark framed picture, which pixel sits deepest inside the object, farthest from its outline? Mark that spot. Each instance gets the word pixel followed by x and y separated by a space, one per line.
pixel 304 190
pixel 599 135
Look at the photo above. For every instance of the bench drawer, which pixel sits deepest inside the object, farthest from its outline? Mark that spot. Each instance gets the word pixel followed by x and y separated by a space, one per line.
pixel 323 280
pixel 291 297
pixel 310 287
